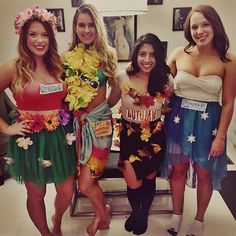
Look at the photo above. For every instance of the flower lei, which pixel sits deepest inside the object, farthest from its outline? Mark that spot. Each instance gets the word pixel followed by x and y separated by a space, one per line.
pixel 34 13
pixel 49 122
pixel 81 63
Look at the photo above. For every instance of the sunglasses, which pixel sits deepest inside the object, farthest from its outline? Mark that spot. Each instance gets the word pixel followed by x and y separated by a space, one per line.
pixel 94 84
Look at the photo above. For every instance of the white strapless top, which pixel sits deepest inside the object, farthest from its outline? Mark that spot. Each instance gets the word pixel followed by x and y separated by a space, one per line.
pixel 203 88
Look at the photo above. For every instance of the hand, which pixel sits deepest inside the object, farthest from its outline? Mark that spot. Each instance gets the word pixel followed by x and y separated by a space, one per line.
pixel 217 147
pixel 18 128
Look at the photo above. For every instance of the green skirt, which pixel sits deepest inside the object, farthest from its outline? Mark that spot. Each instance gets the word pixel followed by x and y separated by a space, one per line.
pixel 42 158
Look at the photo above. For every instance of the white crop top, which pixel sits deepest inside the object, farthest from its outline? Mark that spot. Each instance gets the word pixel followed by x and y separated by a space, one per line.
pixel 203 88
pixel 136 113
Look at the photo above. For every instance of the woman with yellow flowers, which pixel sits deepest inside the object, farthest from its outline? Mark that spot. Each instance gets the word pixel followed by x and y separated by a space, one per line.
pixel 89 65
pixel 143 90
pixel 41 148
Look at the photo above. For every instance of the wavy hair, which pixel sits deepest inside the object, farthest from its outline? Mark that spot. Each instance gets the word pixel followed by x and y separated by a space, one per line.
pixel 220 39
pixel 107 54
pixel 26 64
pixel 160 73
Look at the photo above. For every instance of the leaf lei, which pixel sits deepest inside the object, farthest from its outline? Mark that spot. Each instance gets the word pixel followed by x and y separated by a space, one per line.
pixel 81 62
pixel 146 100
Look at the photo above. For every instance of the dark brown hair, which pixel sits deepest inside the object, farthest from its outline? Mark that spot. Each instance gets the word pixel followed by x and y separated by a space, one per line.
pixel 159 74
pixel 220 39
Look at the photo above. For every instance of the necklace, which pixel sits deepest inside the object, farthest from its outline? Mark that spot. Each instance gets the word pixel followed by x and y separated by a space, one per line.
pixel 146 100
pixel 81 76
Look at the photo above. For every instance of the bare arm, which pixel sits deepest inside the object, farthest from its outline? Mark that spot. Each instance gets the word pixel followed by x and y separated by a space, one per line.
pixel 228 97
pixel 171 61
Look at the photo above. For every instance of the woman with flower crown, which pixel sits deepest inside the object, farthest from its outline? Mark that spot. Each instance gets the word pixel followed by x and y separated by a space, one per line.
pixel 144 90
pixel 89 65
pixel 41 148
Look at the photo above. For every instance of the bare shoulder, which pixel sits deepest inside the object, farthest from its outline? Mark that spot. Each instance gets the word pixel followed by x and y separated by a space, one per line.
pixel 177 52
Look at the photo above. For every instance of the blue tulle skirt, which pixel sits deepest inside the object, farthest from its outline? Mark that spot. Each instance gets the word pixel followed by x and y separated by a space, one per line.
pixel 189 137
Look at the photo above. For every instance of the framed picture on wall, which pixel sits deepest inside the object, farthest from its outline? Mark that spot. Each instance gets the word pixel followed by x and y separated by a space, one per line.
pixel 155 2
pixel 76 3
pixel 59 13
pixel 165 44
pixel 179 17
pixel 122 33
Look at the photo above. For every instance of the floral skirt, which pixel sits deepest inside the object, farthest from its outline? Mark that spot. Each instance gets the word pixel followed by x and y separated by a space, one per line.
pixel 143 146
pixel 189 137
pixel 44 157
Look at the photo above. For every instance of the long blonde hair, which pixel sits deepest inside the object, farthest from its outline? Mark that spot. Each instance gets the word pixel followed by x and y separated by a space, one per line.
pixel 107 54
pixel 26 64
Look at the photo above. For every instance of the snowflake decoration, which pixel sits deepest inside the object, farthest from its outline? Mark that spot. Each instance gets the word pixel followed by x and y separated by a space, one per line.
pixel 204 116
pixel 191 138
pixel 177 119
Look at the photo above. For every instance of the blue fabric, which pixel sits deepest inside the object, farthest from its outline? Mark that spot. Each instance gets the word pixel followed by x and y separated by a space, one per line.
pixel 180 150
pixel 88 139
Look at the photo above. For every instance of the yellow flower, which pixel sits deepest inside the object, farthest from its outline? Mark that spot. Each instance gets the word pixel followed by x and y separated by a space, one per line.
pixel 51 122
pixel 133 158
pixel 146 134
pixel 81 75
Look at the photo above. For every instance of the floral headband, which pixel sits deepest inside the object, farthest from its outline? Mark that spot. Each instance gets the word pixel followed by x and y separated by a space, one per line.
pixel 34 13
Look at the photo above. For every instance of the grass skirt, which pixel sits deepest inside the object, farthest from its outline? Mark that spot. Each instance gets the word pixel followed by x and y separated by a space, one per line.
pixel 48 160
pixel 181 150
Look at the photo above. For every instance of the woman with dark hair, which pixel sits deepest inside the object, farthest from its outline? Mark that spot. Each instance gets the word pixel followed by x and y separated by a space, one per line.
pixel 41 148
pixel 143 90
pixel 202 108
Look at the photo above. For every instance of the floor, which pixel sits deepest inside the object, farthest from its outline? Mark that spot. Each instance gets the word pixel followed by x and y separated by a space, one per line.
pixel 14 220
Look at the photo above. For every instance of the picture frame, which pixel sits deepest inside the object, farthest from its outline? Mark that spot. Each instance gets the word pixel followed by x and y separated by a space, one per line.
pixel 179 16
pixel 76 3
pixel 165 45
pixel 155 2
pixel 59 13
pixel 121 33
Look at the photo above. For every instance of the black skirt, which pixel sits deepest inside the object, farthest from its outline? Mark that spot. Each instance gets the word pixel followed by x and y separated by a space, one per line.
pixel 143 145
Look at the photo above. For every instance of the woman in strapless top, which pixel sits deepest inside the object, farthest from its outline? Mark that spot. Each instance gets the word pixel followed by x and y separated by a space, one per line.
pixel 41 148
pixel 202 107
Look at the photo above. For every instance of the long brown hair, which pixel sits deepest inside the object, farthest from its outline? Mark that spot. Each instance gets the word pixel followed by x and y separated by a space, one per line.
pixel 26 64
pixel 220 39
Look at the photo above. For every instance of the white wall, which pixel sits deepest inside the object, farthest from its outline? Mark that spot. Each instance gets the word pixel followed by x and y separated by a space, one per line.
pixel 158 20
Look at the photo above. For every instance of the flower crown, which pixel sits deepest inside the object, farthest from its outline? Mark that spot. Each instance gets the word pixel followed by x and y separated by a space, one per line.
pixel 34 13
